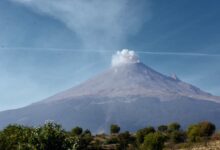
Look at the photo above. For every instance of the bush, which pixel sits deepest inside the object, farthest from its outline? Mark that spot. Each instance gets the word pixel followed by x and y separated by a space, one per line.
pixel 88 132
pixel 50 136
pixel 53 136
pixel 142 133
pixel 80 139
pixel 162 128
pixel 81 142
pixel 15 137
pixel 114 129
pixel 76 131
pixel 207 128
pixel 174 127
pixel 177 136
pixel 200 131
pixel 153 141
pixel 112 140
pixel 125 139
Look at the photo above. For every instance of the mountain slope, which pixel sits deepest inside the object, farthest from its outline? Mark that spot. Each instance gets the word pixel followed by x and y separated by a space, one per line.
pixel 133 79
pixel 132 95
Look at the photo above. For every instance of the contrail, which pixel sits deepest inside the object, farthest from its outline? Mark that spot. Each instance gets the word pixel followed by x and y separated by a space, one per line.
pixel 178 53
pixel 53 50
pixel 106 51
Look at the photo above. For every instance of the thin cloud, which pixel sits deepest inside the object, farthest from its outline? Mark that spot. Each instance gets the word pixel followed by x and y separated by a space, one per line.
pixel 98 23
pixel 179 53
pixel 110 51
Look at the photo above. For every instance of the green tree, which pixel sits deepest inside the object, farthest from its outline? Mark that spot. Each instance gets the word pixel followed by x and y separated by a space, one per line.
pixel 125 139
pixel 112 140
pixel 51 136
pixel 16 137
pixel 207 128
pixel 80 139
pixel 162 128
pixel 177 136
pixel 77 131
pixel 174 127
pixel 114 128
pixel 153 141
pixel 193 133
pixel 200 131
pixel 140 134
pixel 87 132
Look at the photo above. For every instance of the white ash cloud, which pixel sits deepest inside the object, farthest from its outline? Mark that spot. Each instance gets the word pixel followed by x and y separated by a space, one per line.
pixel 124 56
pixel 98 23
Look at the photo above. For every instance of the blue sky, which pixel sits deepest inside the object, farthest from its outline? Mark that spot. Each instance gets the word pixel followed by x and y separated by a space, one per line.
pixel 50 46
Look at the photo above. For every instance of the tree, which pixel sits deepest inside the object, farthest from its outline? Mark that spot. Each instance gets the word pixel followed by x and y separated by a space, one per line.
pixel 77 131
pixel 153 141
pixel 16 137
pixel 51 136
pixel 142 133
pixel 80 139
pixel 114 129
pixel 193 133
pixel 85 139
pixel 125 139
pixel 80 142
pixel 200 131
pixel 87 132
pixel 174 127
pixel 207 128
pixel 162 128
pixel 177 136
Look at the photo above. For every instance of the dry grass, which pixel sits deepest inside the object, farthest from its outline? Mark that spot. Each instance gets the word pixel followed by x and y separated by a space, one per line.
pixel 213 145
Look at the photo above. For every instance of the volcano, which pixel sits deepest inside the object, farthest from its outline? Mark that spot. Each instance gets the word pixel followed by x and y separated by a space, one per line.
pixel 129 94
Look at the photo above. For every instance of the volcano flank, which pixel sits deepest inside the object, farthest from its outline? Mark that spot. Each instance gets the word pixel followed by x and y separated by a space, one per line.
pixel 129 93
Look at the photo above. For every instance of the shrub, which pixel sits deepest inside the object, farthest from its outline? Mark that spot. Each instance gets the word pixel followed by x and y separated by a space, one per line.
pixel 125 139
pixel 207 128
pixel 15 137
pixel 162 128
pixel 76 131
pixel 112 140
pixel 174 127
pixel 177 136
pixel 153 141
pixel 200 131
pixel 142 133
pixel 114 129
pixel 50 136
